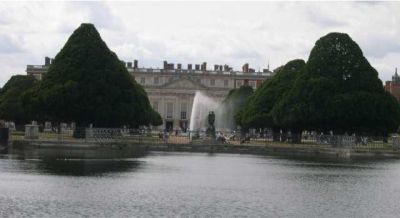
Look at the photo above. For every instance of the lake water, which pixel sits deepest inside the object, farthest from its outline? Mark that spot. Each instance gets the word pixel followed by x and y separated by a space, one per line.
pixel 197 185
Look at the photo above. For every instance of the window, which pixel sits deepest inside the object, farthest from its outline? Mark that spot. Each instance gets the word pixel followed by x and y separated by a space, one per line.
pixel 170 79
pixel 226 82
pixel 183 111
pixel 170 110
pixel 183 115
pixel 252 84
pixel 156 81
pixel 155 106
pixel 142 80
pixel 239 83
pixel 212 82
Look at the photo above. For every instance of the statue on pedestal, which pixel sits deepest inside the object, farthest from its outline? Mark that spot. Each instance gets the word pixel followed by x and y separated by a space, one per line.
pixel 211 128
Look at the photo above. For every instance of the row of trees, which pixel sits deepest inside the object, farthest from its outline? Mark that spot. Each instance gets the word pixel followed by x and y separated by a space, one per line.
pixel 336 90
pixel 85 84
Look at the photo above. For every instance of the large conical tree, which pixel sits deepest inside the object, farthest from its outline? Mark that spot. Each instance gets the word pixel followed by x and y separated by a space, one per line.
pixel 257 112
pixel 339 91
pixel 87 83
pixel 11 106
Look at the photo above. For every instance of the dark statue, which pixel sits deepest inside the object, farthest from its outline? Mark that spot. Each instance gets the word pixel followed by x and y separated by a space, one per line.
pixel 211 128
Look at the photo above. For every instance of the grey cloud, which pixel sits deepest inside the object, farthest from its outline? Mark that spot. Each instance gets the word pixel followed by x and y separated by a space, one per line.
pixel 245 54
pixel 67 28
pixel 371 3
pixel 8 45
pixel 98 13
pixel 5 20
pixel 380 46
pixel 323 20
pixel 233 34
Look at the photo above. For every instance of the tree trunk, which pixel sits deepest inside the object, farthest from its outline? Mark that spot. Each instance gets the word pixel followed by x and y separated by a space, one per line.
pixel 59 131
pixel 79 131
pixel 275 134
pixel 385 137
pixel 296 136
pixel 243 134
pixel 284 135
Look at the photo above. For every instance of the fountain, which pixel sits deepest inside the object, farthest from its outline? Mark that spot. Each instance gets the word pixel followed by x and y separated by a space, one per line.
pixel 202 105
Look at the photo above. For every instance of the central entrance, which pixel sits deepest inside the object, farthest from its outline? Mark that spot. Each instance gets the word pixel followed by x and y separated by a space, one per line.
pixel 183 125
pixel 169 125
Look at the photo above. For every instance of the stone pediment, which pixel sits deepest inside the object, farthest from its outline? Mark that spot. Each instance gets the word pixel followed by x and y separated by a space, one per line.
pixel 184 83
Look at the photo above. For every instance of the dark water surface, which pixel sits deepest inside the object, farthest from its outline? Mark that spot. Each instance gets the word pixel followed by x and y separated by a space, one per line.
pixel 197 185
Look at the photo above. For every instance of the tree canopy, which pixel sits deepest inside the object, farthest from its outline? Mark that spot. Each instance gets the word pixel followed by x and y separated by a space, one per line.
pixel 338 91
pixel 257 111
pixel 11 106
pixel 87 83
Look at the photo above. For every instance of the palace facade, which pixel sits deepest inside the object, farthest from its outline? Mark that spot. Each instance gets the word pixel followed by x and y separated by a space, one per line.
pixel 171 90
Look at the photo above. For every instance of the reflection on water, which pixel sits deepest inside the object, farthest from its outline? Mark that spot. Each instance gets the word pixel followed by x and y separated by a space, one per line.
pixel 75 162
pixel 83 167
pixel 195 185
pixel 74 153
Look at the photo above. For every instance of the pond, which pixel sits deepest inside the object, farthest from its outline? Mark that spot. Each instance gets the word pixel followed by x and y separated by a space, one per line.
pixel 197 185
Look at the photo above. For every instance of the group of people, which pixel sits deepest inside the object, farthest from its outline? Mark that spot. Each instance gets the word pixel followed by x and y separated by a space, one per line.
pixel 219 136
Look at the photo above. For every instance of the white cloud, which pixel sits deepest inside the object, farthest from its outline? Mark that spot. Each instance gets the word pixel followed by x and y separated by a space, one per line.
pixel 192 32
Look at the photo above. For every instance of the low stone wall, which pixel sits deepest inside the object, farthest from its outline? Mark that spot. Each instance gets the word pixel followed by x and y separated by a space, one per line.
pixel 300 150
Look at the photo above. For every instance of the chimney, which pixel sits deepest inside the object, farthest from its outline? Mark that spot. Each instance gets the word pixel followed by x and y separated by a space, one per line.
pixel 220 67
pixel 51 60
pixel 197 67
pixel 189 66
pixel 226 67
pixel 216 67
pixel 204 66
pixel 165 65
pixel 129 64
pixel 179 66
pixel 46 61
pixel 245 68
pixel 135 64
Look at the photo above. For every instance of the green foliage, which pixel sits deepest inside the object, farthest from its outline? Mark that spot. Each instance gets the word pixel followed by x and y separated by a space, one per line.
pixel 156 119
pixel 257 112
pixel 11 106
pixel 339 91
pixel 337 57
pixel 87 83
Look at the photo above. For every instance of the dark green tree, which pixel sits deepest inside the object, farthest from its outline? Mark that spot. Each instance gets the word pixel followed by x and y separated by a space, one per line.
pixel 87 83
pixel 257 112
pixel 339 91
pixel 11 106
pixel 156 119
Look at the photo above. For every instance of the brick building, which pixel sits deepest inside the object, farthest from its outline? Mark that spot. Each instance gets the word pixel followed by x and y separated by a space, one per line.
pixel 394 86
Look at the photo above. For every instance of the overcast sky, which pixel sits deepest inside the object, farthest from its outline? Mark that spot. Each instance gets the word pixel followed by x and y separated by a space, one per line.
pixel 194 32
